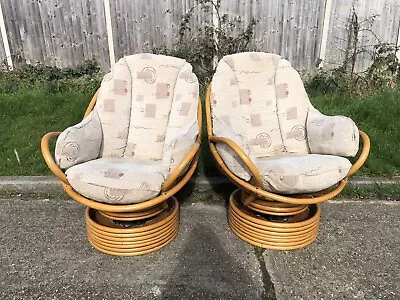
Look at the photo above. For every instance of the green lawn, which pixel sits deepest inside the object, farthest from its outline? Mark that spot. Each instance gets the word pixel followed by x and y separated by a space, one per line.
pixel 27 111
pixel 378 116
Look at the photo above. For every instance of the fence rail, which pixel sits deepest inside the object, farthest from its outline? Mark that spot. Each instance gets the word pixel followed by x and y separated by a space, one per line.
pixel 65 33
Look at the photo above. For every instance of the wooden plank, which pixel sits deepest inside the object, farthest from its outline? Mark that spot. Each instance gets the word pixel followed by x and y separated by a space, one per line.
pixel 3 57
pixel 110 37
pixel 325 26
pixel 398 42
pixel 11 24
pixel 5 54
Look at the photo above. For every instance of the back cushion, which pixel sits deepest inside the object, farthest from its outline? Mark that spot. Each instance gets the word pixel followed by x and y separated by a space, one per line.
pixel 138 100
pixel 259 101
pixel 114 107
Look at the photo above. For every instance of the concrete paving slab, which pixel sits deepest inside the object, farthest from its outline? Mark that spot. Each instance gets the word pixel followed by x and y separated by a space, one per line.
pixel 30 184
pixel 356 256
pixel 44 255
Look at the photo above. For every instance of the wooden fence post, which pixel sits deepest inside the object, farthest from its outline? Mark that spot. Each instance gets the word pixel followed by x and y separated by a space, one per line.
pixel 215 23
pixel 5 40
pixel 398 43
pixel 109 32
pixel 325 32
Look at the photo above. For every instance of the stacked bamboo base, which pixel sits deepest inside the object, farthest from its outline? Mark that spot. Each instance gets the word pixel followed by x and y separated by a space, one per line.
pixel 137 233
pixel 273 225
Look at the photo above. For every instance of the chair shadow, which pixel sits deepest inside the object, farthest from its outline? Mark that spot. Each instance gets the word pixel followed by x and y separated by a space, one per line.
pixel 207 271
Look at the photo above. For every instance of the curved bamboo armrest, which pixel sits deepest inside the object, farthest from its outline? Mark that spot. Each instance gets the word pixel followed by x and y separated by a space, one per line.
pixel 181 167
pixel 92 103
pixel 243 156
pixel 48 158
pixel 363 156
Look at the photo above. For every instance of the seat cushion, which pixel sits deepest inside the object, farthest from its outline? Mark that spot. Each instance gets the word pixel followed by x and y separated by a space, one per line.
pixel 292 174
pixel 117 180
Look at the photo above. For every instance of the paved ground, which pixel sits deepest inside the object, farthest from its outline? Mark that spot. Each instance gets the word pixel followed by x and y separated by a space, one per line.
pixel 44 255
pixel 356 256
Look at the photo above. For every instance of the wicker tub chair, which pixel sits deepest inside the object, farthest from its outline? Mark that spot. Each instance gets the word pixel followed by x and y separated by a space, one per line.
pixel 137 145
pixel 282 153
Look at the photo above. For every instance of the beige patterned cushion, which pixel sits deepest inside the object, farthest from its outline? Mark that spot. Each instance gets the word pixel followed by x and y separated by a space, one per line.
pixel 146 104
pixel 117 180
pixel 183 127
pixel 80 142
pixel 335 135
pixel 259 101
pixel 303 173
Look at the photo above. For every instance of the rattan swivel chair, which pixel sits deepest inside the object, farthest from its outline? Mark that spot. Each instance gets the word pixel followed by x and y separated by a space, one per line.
pixel 282 153
pixel 137 145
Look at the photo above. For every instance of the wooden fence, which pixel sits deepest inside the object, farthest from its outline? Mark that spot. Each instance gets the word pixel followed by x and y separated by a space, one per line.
pixel 65 33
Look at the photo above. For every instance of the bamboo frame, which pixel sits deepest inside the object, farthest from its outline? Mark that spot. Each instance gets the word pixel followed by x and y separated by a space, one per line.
pixel 160 214
pixel 256 188
pixel 272 235
pixel 137 240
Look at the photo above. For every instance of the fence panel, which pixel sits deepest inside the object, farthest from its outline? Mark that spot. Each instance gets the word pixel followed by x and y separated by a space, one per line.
pixel 291 28
pixel 61 33
pixel 140 26
pixel 65 33
pixel 385 26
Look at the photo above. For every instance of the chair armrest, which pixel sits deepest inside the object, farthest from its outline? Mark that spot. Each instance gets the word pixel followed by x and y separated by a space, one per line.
pixel 48 158
pixel 79 143
pixel 181 167
pixel 363 156
pixel 243 156
pixel 184 164
pixel 335 135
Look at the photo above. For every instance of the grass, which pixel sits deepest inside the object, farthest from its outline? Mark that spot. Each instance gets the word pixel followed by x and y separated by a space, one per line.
pixel 381 192
pixel 33 104
pixel 30 107
pixel 377 115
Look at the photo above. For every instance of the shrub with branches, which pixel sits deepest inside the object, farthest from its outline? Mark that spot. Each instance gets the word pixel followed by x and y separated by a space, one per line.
pixel 203 46
pixel 382 73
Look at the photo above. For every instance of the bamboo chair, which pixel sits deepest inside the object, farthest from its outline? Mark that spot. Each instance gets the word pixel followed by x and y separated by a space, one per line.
pixel 258 114
pixel 148 219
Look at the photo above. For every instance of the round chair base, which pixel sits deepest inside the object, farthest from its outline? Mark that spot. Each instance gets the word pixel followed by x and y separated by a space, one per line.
pixel 132 236
pixel 287 229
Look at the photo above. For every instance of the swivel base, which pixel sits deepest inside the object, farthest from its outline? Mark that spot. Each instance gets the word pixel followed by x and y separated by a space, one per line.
pixel 131 234
pixel 273 225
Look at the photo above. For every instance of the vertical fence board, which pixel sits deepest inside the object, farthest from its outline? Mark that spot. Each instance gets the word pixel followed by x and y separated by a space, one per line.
pixel 3 57
pixel 291 28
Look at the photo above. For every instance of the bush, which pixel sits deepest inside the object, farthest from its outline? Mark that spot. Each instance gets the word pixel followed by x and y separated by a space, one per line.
pixel 204 47
pixel 51 79
pixel 384 71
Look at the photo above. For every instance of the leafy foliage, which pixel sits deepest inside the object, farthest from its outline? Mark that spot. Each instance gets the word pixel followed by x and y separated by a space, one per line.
pixel 51 79
pixel 384 72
